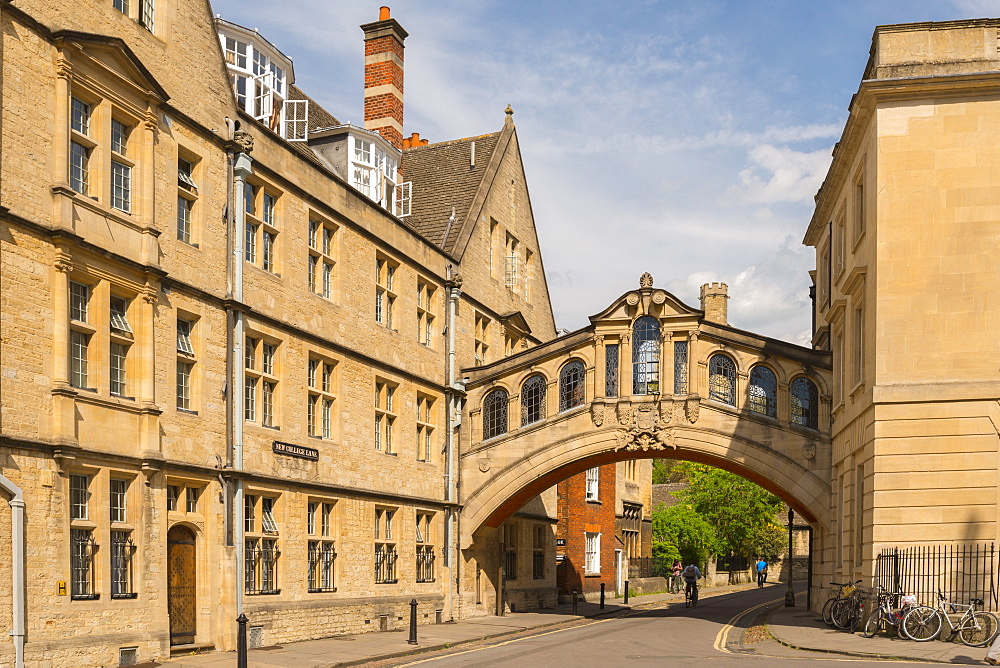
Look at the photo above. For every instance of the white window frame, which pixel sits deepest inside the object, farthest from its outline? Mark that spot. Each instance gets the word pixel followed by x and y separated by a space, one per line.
pixel 592 552
pixel 593 483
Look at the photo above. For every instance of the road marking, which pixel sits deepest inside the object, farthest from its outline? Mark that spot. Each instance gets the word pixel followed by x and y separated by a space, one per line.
pixel 722 638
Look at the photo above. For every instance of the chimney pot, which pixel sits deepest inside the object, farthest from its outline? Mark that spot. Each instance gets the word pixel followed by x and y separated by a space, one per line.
pixel 383 13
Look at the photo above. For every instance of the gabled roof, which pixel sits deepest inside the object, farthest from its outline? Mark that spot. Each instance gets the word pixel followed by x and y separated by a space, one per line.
pixel 119 57
pixel 444 176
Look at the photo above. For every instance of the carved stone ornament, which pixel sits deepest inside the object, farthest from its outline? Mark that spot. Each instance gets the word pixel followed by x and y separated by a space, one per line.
pixel 646 280
pixel 484 464
pixel 680 410
pixel 632 299
pixel 659 297
pixel 245 140
pixel 691 409
pixel 809 451
pixel 666 411
pixel 624 414
pixel 597 413
pixel 647 433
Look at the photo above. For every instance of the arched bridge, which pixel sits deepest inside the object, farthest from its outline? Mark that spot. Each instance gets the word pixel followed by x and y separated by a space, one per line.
pixel 649 377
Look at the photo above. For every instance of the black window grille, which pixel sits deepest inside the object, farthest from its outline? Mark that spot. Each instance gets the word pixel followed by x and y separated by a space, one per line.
pixel 82 550
pixel 425 563
pixel 571 388
pixel 385 563
pixel 722 379
pixel 122 550
pixel 646 356
pixel 495 414
pixel 261 566
pixel 680 367
pixel 322 558
pixel 804 398
pixel 611 366
pixel 538 565
pixel 763 391
pixel 532 400
pixel 510 563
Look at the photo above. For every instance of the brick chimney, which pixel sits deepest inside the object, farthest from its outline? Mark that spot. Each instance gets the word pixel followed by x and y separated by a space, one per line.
pixel 713 302
pixel 384 77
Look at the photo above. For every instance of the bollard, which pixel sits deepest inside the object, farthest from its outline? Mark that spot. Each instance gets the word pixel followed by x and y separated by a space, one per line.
pixel 413 622
pixel 574 601
pixel 626 592
pixel 241 641
pixel 602 596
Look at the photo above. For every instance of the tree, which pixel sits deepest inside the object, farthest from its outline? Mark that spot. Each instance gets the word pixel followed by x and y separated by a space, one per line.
pixel 667 470
pixel 680 533
pixel 743 514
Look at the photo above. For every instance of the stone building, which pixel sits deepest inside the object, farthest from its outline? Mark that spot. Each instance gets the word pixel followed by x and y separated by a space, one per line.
pixel 230 329
pixel 905 231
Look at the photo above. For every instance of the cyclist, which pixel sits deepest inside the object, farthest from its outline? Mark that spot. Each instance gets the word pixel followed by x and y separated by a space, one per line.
pixel 691 575
pixel 675 579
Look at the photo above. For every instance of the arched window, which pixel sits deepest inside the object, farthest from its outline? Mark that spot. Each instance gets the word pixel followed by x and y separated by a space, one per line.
pixel 571 385
pixel 805 401
pixel 495 413
pixel 722 379
pixel 532 400
pixel 646 356
pixel 763 391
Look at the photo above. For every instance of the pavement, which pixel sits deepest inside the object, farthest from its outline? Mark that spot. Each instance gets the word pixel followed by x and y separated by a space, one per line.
pixel 793 627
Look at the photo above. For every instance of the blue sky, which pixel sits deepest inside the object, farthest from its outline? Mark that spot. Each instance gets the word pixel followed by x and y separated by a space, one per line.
pixel 683 138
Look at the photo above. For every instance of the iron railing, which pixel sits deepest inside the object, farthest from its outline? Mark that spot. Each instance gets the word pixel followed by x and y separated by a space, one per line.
pixel 649 567
pixel 425 563
pixel 385 563
pixel 960 572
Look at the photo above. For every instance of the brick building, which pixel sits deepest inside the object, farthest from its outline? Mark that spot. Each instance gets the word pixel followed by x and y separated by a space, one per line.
pixel 230 328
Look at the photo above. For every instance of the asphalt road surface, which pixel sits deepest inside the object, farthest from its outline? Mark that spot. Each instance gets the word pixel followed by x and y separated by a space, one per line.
pixel 721 630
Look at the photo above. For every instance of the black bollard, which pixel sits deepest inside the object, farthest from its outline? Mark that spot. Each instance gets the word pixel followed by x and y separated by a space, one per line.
pixel 602 596
pixel 241 641
pixel 626 592
pixel 574 601
pixel 413 622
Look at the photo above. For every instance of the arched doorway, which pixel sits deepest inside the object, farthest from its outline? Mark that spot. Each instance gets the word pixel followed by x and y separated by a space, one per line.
pixel 181 582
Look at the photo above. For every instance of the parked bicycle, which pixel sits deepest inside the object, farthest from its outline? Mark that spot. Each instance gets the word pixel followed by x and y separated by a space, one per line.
pixel 975 628
pixel 848 612
pixel 844 590
pixel 886 615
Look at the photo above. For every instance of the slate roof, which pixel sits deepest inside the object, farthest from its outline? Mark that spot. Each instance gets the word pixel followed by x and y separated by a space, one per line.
pixel 443 178
pixel 667 493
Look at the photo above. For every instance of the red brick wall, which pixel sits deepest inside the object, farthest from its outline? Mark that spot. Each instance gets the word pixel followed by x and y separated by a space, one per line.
pixel 577 516
pixel 388 105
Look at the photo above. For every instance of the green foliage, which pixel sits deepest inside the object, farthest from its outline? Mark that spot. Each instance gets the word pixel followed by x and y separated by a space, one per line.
pixel 742 514
pixel 680 532
pixel 666 471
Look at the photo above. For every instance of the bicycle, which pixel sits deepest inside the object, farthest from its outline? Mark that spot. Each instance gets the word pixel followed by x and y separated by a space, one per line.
pixel 974 628
pixel 691 594
pixel 884 616
pixel 848 612
pixel 844 590
pixel 675 584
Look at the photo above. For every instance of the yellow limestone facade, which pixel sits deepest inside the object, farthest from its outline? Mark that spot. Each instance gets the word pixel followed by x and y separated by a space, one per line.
pixel 905 230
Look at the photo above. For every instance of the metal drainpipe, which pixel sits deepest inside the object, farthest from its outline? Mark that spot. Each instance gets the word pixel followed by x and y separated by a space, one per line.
pixel 241 169
pixel 17 555
pixel 454 292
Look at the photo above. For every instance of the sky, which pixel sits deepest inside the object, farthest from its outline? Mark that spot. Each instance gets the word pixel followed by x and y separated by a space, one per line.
pixel 685 138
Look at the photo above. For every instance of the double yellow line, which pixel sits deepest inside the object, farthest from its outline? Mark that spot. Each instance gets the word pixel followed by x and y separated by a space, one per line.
pixel 722 637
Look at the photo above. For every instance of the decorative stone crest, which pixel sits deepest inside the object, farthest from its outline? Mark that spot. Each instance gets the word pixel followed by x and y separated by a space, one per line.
pixel 484 464
pixel 245 141
pixel 680 411
pixel 809 451
pixel 624 414
pixel 648 432
pixel 646 280
pixel 691 409
pixel 597 413
pixel 666 411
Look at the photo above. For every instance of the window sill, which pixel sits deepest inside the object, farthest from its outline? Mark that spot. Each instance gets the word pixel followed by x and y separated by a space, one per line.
pixel 322 591
pixel 857 388
pixel 271 427
pixel 187 411
pixel 85 389
pixel 82 524
pixel 269 592
pixel 85 597
pixel 115 597
pixel 388 454
pixel 426 581
pixel 595 574
pixel 121 397
pixel 387 582
pixel 594 501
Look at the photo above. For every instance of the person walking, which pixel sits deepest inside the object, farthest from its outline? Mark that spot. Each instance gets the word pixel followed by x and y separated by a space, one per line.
pixel 761 572
pixel 993 656
pixel 675 577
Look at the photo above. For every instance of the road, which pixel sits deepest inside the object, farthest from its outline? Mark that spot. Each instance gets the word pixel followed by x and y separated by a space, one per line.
pixel 723 630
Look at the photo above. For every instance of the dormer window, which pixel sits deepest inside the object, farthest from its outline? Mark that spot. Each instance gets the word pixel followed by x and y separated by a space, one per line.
pixel 257 72
pixel 373 171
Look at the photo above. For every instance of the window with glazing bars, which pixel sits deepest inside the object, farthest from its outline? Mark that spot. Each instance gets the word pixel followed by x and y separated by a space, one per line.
pixel 79 497
pixel 538 553
pixel 571 386
pixel 722 379
pixel 646 356
pixel 763 391
pixel 82 550
pixel 122 550
pixel 322 558
pixel 495 413
pixel 680 367
pixel 804 399
pixel 611 367
pixel 261 566
pixel 385 547
pixel 533 400
pixel 118 492
pixel 593 480
pixel 509 546
pixel 425 548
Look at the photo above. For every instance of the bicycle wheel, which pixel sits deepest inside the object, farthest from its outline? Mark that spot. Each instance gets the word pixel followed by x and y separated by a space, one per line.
pixel 841 613
pixel 921 623
pixel 857 614
pixel 874 624
pixel 694 596
pixel 979 629
pixel 828 611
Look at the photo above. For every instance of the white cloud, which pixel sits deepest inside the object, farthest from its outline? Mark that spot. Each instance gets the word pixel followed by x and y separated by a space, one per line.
pixel 780 174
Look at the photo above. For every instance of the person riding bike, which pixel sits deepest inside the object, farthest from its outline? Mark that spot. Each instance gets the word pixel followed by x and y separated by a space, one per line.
pixel 691 575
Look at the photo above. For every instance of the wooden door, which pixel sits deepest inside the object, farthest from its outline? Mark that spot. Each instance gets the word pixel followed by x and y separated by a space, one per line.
pixel 181 585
